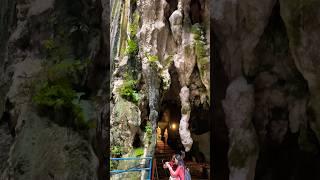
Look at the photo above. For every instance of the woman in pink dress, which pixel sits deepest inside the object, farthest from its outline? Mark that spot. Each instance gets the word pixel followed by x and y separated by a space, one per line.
pixel 179 172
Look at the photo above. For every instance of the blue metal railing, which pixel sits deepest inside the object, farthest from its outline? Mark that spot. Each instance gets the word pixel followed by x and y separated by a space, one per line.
pixel 133 169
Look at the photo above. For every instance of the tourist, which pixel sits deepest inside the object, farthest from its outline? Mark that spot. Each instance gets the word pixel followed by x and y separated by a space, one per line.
pixel 172 165
pixel 179 172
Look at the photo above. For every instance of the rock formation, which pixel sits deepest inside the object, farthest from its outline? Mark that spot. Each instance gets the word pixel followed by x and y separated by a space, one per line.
pixel 272 47
pixel 161 58
pixel 243 151
pixel 49 125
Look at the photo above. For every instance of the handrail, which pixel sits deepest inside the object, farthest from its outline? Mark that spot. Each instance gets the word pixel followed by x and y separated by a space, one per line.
pixel 131 158
pixel 155 174
pixel 134 169
pixel 153 168
pixel 130 170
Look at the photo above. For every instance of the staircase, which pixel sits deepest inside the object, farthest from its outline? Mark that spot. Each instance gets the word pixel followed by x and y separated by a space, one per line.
pixel 164 152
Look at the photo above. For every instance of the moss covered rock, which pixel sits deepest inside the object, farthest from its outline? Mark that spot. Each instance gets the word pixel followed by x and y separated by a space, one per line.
pixel 125 123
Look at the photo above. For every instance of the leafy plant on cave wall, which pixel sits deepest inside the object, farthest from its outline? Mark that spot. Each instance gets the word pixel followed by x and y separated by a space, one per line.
pixel 128 90
pixel 55 90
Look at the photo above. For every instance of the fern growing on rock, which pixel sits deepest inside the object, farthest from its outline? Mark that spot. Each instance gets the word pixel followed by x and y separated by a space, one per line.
pixel 55 90
pixel 128 89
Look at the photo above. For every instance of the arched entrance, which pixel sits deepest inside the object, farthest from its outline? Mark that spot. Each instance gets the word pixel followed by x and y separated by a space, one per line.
pixel 169 126
pixel 169 143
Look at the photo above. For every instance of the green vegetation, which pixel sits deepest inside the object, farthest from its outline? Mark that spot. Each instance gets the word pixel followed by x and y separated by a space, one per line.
pixel 152 58
pixel 116 151
pixel 200 50
pixel 134 26
pixel 199 40
pixel 133 29
pixel 49 44
pixel 132 42
pixel 138 152
pixel 56 52
pixel 168 60
pixel 56 96
pixel 148 130
pixel 128 89
pixel 54 91
pixel 197 30
pixel 112 165
pixel 132 47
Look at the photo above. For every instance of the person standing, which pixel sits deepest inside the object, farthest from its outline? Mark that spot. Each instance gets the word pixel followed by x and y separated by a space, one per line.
pixel 172 165
pixel 166 136
pixel 180 171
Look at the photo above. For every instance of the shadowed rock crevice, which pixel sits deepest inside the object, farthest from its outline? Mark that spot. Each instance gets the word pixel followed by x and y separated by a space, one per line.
pixel 196 12
pixel 220 141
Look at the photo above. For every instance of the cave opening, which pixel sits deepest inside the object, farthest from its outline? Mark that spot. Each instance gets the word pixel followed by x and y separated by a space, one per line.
pixel 6 117
pixel 195 12
pixel 169 142
pixel 168 136
pixel 199 122
pixel 173 5
pixel 169 125
pixel 136 142
pixel 199 115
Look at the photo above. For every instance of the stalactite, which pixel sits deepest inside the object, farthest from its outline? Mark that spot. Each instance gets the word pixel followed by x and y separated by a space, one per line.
pixel 184 131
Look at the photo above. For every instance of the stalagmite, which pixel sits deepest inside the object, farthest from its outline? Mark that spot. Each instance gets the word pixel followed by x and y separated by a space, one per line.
pixel 243 151
pixel 184 132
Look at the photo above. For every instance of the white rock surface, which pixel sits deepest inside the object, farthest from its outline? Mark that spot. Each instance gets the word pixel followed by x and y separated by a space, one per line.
pixel 184 131
pixel 243 150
